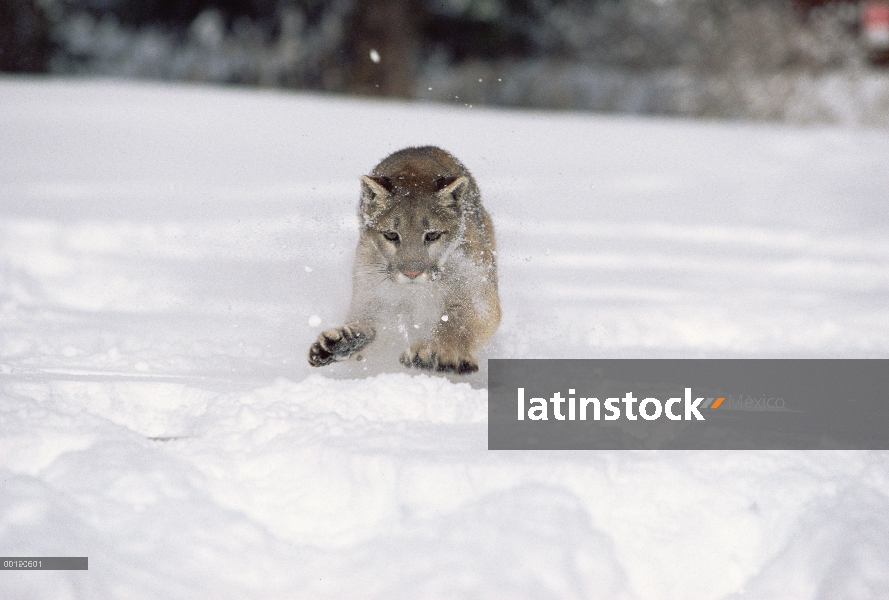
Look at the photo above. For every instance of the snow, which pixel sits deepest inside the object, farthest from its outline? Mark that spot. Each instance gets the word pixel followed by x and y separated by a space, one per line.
pixel 168 253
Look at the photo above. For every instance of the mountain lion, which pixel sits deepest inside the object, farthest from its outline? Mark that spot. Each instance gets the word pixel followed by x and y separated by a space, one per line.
pixel 425 275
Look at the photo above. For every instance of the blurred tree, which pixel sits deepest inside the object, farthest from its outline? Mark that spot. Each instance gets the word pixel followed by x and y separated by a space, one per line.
pixel 175 14
pixel 382 47
pixel 24 37
pixel 485 29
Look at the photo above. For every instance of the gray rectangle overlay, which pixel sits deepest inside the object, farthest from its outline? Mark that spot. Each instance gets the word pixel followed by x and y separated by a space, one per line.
pixel 755 404
pixel 44 563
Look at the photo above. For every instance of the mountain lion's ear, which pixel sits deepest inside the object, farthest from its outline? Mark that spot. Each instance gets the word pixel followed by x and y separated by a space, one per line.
pixel 375 194
pixel 452 191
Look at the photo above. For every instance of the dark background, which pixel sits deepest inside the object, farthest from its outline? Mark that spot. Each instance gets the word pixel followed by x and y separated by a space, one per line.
pixel 724 58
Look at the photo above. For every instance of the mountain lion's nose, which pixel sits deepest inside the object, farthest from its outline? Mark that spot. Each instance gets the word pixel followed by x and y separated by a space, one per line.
pixel 411 274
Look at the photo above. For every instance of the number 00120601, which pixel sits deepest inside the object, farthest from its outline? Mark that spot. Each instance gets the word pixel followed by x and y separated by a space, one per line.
pixel 22 564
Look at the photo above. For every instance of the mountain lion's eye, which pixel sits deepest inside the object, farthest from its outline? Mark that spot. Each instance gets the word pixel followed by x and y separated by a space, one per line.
pixel 431 236
pixel 391 236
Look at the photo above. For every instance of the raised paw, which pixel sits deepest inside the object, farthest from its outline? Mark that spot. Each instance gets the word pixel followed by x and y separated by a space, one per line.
pixel 339 344
pixel 433 356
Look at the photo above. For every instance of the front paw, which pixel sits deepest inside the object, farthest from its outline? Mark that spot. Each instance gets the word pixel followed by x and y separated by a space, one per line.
pixel 435 356
pixel 338 344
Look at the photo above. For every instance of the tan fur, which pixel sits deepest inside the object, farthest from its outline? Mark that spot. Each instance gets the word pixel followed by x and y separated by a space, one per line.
pixel 426 250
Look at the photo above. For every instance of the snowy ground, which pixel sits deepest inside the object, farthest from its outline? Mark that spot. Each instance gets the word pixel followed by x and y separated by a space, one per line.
pixel 163 250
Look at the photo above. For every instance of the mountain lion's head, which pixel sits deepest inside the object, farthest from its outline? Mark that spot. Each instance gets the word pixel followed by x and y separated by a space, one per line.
pixel 415 222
